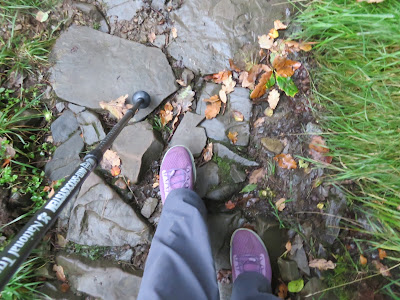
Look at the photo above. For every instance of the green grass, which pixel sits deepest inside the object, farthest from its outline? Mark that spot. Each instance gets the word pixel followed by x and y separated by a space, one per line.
pixel 357 83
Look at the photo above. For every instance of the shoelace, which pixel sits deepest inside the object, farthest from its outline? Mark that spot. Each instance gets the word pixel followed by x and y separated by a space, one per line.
pixel 176 178
pixel 246 263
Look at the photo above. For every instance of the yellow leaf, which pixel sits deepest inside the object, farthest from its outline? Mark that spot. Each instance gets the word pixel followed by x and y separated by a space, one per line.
pixel 268 112
pixel 320 205
pixel 280 204
pixel 273 33
pixel 273 98
pixel 233 137
pixel 115 171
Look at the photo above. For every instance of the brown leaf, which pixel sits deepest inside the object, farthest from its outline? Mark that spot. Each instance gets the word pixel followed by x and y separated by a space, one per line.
pixel 288 246
pixel 259 122
pixel 230 205
pixel 381 268
pixel 166 114
pixel 286 161
pixel 282 291
pixel 260 88
pixel 278 25
pixel 212 109
pixel 305 47
pixel 212 99
pixel 382 253
pixel 318 144
pixel 257 175
pixel 273 98
pixel 238 116
pixel 59 273
pixel 6 162
pixel 116 107
pixel 221 76
pixel 110 159
pixel 280 204
pixel 46 188
pixel 363 260
pixel 233 137
pixel 115 171
pixel 228 85
pixel 208 152
pixel 244 79
pixel 64 287
pixel 321 264
pixel 285 67
pixel 265 41
pixel 233 66
pixel 51 194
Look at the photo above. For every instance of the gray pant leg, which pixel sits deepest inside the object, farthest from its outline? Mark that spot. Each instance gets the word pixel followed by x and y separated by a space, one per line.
pixel 252 286
pixel 180 264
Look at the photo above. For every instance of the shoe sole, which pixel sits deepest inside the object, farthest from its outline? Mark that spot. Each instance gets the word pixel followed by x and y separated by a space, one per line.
pixel 258 237
pixel 191 159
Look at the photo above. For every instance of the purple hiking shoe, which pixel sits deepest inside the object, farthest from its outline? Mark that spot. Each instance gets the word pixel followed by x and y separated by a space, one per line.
pixel 177 171
pixel 249 254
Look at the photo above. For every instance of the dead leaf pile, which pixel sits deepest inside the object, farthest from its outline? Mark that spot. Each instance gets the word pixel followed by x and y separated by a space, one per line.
pixel 318 149
pixel 117 107
pixel 286 161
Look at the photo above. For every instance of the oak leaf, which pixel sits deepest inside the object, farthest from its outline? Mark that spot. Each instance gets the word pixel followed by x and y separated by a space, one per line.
pixel 166 114
pixel 273 98
pixel 321 264
pixel 278 25
pixel 261 88
pixel 285 67
pixel 286 161
pixel 212 109
pixel 116 107
pixel 232 136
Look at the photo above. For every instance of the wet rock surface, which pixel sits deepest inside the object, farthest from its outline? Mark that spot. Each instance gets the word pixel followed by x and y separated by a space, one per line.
pixel 92 66
pixel 211 32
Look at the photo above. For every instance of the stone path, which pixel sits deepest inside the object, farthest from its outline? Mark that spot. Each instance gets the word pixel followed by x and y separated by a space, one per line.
pixel 92 66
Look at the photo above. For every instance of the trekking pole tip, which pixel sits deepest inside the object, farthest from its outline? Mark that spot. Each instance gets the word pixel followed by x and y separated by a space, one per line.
pixel 143 97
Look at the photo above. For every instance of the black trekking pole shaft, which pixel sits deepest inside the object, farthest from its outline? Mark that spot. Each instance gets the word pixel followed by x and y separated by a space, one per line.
pixel 26 240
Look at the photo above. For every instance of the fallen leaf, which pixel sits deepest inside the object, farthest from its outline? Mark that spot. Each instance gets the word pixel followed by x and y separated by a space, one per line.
pixel 181 82
pixel 363 260
pixel 260 88
pixel 224 276
pixel 273 33
pixel 265 41
pixel 232 136
pixel 174 32
pixel 249 188
pixel 222 96
pixel 287 85
pixel 221 76
pixel 230 205
pixel 382 253
pixel 381 268
pixel 321 264
pixel 233 66
pixel 175 121
pixel 320 205
pixel 212 109
pixel 282 291
pixel 237 116
pixel 64 287
pixel 184 100
pixel 278 25
pixel 46 188
pixel 6 162
pixel 61 241
pixel 318 144
pixel 296 286
pixel 59 273
pixel 51 194
pixel 116 107
pixel 42 16
pixel 228 85
pixel 288 246
pixel 212 99
pixel 280 204
pixel 259 122
pixel 285 67
pixel 110 159
pixel 273 98
pixel 166 114
pixel 257 175
pixel 285 161
pixel 244 79
pixel 268 112
pixel 305 47
pixel 115 171
pixel 208 152
pixel 151 36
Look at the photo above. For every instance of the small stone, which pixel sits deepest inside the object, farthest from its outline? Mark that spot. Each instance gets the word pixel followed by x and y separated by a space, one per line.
pixel 64 127
pixel 222 151
pixel 312 286
pixel 189 135
pixel 288 270
pixel 207 177
pixel 124 10
pixel 237 175
pixel 76 108
pixel 60 106
pixel 138 146
pixel 148 207
pixel 92 129
pixel 126 255
pixel 273 145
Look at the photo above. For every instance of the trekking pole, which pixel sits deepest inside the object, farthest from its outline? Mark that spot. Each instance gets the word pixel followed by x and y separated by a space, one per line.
pixel 26 240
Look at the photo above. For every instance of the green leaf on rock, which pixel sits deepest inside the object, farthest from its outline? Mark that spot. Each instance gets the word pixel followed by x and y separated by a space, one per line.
pixel 249 188
pixel 271 82
pixel 287 85
pixel 296 286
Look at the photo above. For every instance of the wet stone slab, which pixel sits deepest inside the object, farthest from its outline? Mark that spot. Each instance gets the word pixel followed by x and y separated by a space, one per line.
pixel 91 66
